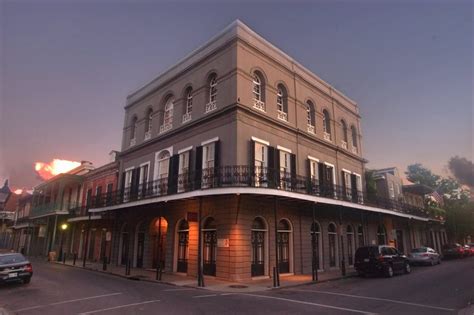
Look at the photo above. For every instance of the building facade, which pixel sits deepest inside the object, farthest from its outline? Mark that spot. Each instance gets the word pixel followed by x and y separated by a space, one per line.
pixel 238 160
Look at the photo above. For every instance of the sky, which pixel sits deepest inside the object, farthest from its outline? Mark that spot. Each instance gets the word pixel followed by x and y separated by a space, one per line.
pixel 67 66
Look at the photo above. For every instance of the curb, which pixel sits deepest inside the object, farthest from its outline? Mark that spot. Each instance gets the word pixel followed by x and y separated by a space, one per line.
pixel 134 278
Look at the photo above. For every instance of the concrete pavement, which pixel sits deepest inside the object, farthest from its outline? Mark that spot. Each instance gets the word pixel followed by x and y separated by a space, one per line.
pixel 57 289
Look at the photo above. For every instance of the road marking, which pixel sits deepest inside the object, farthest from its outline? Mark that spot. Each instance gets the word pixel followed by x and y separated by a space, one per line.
pixel 117 307
pixel 308 303
pixel 67 301
pixel 203 296
pixel 182 289
pixel 377 299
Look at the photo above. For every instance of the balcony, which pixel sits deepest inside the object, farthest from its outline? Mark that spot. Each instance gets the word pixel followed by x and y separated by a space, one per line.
pixel 211 106
pixel 257 104
pixel 148 135
pixel 282 115
pixel 165 127
pixel 327 136
pixel 237 176
pixel 47 209
pixel 311 129
pixel 133 142
pixel 186 117
pixel 344 145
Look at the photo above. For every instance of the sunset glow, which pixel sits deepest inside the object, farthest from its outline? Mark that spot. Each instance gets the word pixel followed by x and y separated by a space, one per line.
pixel 55 167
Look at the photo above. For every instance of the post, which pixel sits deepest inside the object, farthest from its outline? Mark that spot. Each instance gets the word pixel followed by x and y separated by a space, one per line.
pixel 315 246
pixel 277 273
pixel 200 267
pixel 343 261
pixel 60 255
pixel 158 258
pixel 86 244
pixel 53 239
pixel 74 259
pixel 104 263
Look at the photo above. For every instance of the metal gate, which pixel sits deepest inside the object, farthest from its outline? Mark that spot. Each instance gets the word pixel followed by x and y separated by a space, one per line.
pixel 209 252
pixel 183 237
pixel 258 253
pixel 284 252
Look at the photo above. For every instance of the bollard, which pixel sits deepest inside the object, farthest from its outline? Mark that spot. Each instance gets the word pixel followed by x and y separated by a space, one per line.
pixel 127 268
pixel 104 263
pixel 74 259
pixel 64 258
pixel 275 285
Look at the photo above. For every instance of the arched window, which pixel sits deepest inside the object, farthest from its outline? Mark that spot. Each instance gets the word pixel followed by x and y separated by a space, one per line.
pixel 258 238
pixel 282 102
pixel 354 137
pixel 133 130
pixel 149 123
pixel 344 133
pixel 310 116
pixel 213 88
pixel 381 235
pixel 326 125
pixel 332 237
pixel 189 100
pixel 350 245
pixel 317 244
pixel 360 236
pixel 284 242
pixel 168 115
pixel 258 91
pixel 209 247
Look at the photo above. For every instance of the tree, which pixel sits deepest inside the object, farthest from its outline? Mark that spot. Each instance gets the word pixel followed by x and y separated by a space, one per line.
pixel 462 169
pixel 370 184
pixel 419 174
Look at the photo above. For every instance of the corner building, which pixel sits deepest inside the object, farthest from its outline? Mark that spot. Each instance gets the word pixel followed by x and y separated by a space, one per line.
pixel 242 143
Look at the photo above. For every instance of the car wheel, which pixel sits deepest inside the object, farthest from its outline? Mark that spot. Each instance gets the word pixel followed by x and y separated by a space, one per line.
pixel 27 280
pixel 432 263
pixel 407 268
pixel 389 272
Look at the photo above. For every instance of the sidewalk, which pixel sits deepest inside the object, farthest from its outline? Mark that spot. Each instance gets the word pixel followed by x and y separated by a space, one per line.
pixel 211 283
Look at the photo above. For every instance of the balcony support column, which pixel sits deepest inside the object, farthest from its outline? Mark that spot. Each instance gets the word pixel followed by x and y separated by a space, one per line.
pixel 200 262
pixel 60 197
pixel 53 238
pixel 341 229
pixel 276 281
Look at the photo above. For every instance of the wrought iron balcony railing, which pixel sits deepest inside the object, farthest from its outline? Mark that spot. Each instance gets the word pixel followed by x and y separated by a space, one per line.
pixel 247 176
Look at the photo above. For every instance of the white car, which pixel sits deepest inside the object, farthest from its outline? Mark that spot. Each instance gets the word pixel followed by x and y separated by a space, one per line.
pixel 424 256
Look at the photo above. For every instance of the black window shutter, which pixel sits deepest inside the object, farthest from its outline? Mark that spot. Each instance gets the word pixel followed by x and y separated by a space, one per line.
pixel 276 158
pixel 217 155
pixel 198 168
pixel 122 187
pixel 322 177
pixel 293 170
pixel 251 172
pixel 343 184
pixel 135 182
pixel 190 178
pixel 355 193
pixel 309 182
pixel 270 167
pixel 173 174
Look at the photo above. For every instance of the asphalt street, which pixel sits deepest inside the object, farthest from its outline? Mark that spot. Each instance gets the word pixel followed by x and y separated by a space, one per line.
pixel 56 289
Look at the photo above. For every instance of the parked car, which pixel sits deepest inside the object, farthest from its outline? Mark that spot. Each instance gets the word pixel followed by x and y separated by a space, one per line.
pixel 424 256
pixel 453 250
pixel 467 251
pixel 471 245
pixel 15 267
pixel 382 259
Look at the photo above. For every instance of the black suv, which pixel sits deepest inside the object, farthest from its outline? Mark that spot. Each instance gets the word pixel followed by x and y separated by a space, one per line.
pixel 381 259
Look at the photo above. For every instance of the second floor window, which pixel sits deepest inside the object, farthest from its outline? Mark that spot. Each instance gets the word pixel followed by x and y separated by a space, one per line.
pixel 208 156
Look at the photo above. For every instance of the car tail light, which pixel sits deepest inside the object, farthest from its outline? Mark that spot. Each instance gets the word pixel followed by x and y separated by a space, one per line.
pixel 380 258
pixel 425 255
pixel 29 268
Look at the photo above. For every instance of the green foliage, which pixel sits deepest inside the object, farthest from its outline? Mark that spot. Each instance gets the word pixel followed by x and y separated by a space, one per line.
pixel 419 174
pixel 370 184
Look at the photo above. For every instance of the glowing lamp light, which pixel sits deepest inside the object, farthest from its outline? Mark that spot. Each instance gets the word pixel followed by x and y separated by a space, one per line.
pixel 64 226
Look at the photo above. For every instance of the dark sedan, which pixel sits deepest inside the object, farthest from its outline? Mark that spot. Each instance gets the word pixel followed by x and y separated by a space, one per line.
pixel 15 267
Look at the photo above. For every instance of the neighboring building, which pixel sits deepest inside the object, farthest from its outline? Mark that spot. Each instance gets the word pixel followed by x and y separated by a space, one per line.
pixel 51 205
pixel 22 229
pixel 7 215
pixel 93 230
pixel 389 183
pixel 241 149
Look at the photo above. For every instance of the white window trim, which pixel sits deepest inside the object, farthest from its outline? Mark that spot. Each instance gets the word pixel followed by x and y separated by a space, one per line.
pixel 333 172
pixel 210 141
pixel 148 171
pixel 346 171
pixel 312 158
pixel 260 141
pixel 185 149
pixel 283 149
pixel 155 168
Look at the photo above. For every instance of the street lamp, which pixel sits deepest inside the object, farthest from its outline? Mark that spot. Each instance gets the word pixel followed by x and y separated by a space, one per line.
pixel 64 227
